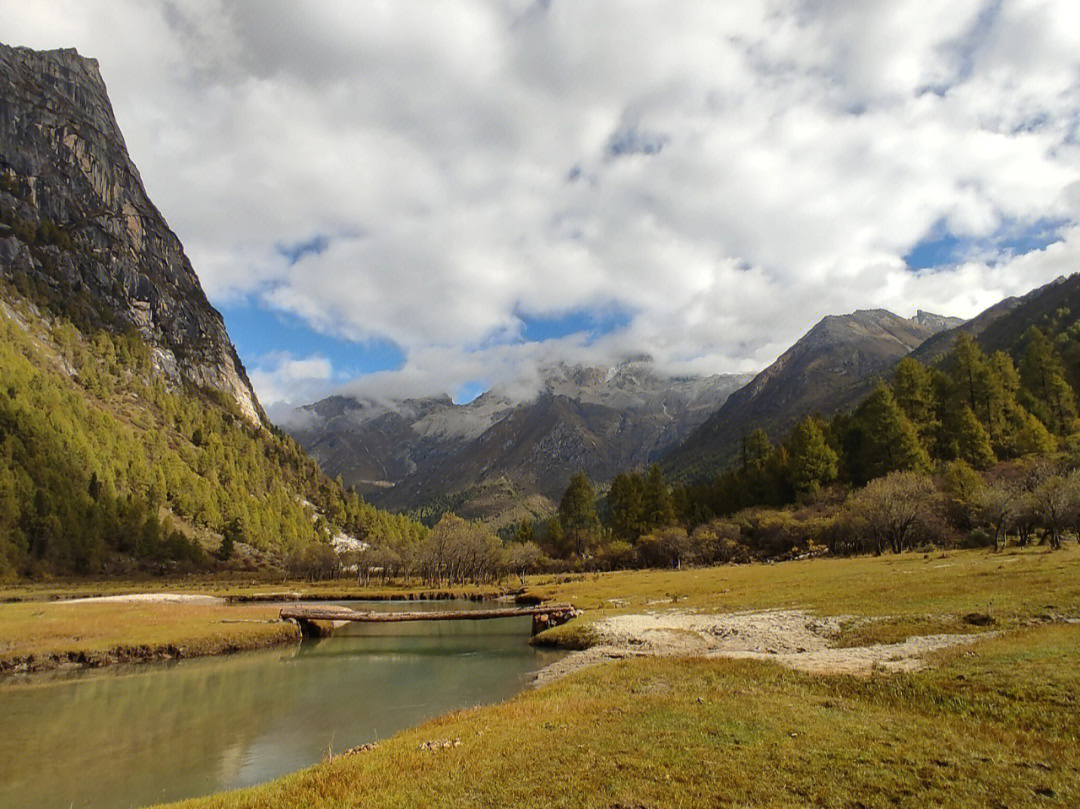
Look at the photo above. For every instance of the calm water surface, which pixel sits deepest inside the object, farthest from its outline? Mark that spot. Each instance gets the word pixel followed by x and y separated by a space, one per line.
pixel 133 735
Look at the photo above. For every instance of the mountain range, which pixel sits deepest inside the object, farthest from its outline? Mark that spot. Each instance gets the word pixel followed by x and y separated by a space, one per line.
pixel 501 459
pixel 829 368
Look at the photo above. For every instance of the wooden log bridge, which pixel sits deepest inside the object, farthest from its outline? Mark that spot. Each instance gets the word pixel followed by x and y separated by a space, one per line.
pixel 312 620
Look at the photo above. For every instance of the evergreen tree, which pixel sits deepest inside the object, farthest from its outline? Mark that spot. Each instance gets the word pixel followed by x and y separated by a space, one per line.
pixel 1043 375
pixel 881 438
pixel 914 391
pixel 524 532
pixel 555 537
pixel 756 449
pixel 763 471
pixel 812 462
pixel 970 372
pixel 625 502
pixel 972 440
pixel 988 386
pixel 233 533
pixel 657 510
pixel 1028 435
pixel 577 514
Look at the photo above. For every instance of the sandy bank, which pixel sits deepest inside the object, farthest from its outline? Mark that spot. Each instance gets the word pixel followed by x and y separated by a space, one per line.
pixel 792 638
pixel 148 598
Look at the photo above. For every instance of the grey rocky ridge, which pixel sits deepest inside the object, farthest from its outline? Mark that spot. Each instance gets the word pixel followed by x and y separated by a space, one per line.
pixel 500 458
pixel 830 368
pixel 93 245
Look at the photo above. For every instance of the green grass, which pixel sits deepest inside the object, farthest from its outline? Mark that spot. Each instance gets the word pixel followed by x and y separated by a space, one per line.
pixel 896 629
pixel 915 593
pixel 43 635
pixel 992 725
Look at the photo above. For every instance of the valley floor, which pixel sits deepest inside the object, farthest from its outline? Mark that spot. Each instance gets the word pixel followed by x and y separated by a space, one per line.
pixel 37 636
pixel 991 722
pixel 53 626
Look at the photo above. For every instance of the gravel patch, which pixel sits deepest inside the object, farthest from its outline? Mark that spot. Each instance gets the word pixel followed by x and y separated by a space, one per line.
pixel 792 638
pixel 149 598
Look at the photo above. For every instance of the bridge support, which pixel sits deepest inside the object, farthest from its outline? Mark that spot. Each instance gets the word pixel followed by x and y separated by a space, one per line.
pixel 314 629
pixel 551 618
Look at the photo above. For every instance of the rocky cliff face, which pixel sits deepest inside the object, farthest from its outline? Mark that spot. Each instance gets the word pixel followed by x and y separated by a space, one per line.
pixel 600 420
pixel 78 233
pixel 831 367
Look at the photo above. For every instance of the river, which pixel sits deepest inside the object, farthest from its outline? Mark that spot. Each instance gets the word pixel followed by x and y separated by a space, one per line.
pixel 132 735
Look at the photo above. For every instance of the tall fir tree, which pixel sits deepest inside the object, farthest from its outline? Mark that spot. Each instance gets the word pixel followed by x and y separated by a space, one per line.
pixel 881 439
pixel 625 501
pixel 657 510
pixel 1043 376
pixel 972 441
pixel 577 514
pixel 914 390
pixel 811 462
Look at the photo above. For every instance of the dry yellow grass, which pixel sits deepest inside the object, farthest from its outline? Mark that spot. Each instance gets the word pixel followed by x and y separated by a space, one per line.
pixel 229 585
pixel 41 635
pixel 993 726
pixel 914 591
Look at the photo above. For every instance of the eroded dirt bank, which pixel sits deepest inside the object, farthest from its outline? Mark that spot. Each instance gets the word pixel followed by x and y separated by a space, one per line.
pixel 792 638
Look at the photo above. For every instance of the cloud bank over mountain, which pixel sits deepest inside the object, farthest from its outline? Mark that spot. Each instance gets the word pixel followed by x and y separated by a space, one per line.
pixel 488 186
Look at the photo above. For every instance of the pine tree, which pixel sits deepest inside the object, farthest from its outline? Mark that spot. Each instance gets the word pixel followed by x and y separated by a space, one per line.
pixel 913 389
pixel 577 514
pixel 1043 375
pixel 972 440
pixel 1028 435
pixel 812 462
pixel 625 503
pixel 988 386
pixel 881 439
pixel 756 449
pixel 657 509
pixel 524 532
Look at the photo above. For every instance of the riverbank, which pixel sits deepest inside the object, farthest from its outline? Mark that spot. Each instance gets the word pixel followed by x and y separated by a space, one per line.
pixel 238 590
pixel 40 636
pixel 989 724
pixel 944 679
pixel 854 615
pixel 73 628
pixel 788 637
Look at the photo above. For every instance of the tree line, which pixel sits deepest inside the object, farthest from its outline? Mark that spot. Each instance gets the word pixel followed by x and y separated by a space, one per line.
pixel 972 450
pixel 455 552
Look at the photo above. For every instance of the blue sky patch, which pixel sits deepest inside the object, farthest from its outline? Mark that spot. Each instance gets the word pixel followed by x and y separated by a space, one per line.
pixel 941 247
pixel 258 332
pixel 594 323
pixel 468 391
pixel 631 140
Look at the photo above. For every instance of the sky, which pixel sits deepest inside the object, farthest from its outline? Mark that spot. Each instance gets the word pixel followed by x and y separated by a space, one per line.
pixel 401 199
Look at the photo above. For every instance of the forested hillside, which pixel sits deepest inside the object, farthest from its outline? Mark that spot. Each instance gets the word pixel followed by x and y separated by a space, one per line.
pixel 102 461
pixel 827 370
pixel 975 447
pixel 130 435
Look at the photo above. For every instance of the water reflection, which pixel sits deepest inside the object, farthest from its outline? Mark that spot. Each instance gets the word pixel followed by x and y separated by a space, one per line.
pixel 134 735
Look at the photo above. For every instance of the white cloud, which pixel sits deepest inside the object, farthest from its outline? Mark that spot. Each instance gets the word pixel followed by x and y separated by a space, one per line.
pixel 778 159
pixel 281 378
